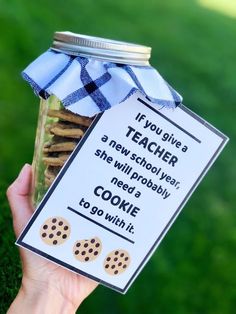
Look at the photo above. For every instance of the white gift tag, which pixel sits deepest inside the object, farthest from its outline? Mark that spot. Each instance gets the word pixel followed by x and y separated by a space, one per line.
pixel 121 190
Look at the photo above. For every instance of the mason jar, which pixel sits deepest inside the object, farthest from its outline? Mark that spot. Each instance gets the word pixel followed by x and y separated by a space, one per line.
pixel 59 129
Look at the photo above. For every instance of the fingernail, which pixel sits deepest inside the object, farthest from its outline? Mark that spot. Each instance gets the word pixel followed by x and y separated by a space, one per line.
pixel 23 170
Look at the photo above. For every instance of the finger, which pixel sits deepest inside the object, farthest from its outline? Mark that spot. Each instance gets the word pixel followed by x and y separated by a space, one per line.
pixel 18 195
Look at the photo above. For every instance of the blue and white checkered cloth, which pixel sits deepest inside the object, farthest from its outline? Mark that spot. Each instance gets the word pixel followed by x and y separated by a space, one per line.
pixel 87 86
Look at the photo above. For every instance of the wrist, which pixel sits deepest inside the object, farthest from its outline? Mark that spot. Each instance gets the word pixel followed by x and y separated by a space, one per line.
pixel 38 298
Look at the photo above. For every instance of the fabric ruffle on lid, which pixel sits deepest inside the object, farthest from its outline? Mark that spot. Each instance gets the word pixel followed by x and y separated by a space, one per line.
pixel 87 86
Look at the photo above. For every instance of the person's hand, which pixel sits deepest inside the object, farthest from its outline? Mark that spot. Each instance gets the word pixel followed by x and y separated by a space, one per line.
pixel 46 287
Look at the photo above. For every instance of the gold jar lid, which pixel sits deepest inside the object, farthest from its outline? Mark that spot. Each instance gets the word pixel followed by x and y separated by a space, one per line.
pixel 101 48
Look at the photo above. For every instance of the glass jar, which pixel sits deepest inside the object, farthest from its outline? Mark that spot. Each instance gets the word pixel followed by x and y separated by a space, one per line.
pixel 59 130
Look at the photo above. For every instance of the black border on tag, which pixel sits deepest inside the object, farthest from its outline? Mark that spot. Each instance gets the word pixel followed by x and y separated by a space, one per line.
pixel 70 160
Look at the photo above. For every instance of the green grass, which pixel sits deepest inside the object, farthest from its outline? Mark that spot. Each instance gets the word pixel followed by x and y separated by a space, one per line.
pixel 194 48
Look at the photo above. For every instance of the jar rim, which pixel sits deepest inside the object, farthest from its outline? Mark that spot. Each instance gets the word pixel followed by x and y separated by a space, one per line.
pixel 101 48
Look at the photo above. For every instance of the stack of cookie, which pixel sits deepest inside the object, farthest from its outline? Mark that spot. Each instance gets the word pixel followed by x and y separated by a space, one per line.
pixel 65 133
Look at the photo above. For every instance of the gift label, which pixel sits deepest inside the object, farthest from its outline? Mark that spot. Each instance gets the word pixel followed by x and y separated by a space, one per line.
pixel 121 190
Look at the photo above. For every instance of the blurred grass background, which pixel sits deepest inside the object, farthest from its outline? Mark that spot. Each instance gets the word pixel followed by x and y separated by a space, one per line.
pixel 194 48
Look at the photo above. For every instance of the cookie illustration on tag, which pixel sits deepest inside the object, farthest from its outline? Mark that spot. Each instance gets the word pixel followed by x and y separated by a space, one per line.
pixel 116 262
pixel 87 250
pixel 55 231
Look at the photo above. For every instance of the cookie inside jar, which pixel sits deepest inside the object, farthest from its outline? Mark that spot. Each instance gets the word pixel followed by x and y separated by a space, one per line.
pixel 58 132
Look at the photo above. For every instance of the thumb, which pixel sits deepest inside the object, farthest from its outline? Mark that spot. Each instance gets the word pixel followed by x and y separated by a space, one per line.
pixel 18 195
